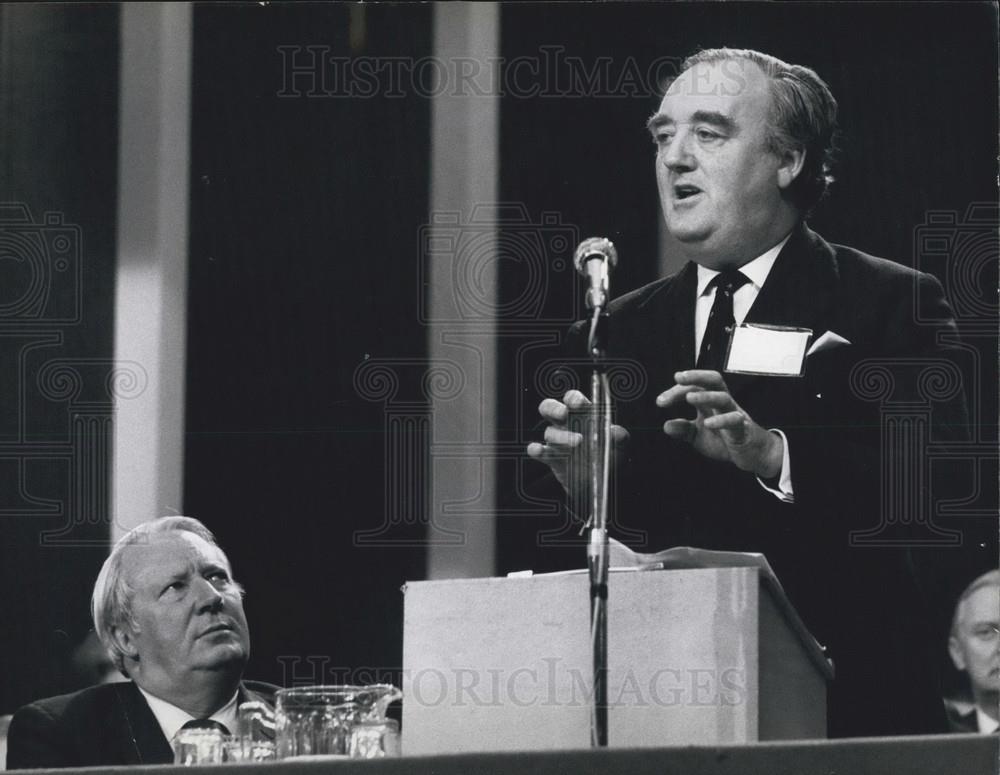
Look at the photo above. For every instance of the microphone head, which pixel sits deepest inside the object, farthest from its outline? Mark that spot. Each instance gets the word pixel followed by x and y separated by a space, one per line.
pixel 594 247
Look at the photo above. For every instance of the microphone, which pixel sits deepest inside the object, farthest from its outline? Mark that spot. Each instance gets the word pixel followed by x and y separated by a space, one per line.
pixel 594 259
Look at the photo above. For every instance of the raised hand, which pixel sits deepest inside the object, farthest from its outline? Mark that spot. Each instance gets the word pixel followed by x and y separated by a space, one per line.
pixel 722 430
pixel 562 441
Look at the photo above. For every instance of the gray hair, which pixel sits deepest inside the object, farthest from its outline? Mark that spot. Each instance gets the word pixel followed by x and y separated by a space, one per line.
pixel 989 579
pixel 803 116
pixel 111 602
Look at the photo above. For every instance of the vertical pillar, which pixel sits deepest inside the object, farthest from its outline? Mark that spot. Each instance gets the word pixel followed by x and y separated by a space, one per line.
pixel 151 286
pixel 464 174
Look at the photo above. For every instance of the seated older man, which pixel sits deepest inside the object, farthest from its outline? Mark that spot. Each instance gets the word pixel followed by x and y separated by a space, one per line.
pixel 974 646
pixel 166 607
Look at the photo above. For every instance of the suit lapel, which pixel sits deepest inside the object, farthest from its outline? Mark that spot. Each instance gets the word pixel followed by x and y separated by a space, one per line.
pixel 248 694
pixel 257 691
pixel 799 288
pixel 669 311
pixel 143 740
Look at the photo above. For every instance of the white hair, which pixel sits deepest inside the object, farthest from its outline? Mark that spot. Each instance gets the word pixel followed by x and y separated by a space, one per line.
pixel 989 579
pixel 111 602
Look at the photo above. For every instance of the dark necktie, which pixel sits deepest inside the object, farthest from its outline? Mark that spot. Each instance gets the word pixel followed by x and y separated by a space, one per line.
pixel 720 320
pixel 206 723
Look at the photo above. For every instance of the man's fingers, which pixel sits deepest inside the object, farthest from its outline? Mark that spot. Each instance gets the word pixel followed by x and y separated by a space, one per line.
pixel 536 450
pixel 557 412
pixel 719 400
pixel 618 435
pixel 675 394
pixel 553 411
pixel 682 430
pixel 574 399
pixel 735 422
pixel 560 437
pixel 556 459
pixel 710 380
pixel 546 452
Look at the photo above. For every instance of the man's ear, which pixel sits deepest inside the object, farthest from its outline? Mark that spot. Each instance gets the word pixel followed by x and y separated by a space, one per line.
pixel 791 165
pixel 955 652
pixel 125 641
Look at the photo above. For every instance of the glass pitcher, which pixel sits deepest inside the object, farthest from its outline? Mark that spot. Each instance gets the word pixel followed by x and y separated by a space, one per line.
pixel 317 720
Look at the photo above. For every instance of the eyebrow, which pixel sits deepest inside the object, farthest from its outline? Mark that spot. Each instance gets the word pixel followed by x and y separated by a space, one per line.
pixel 162 582
pixel 712 117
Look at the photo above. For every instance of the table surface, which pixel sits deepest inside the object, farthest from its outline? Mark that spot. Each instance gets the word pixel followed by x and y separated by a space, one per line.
pixel 930 755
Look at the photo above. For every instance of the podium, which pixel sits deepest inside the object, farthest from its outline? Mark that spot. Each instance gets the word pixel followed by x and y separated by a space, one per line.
pixel 695 657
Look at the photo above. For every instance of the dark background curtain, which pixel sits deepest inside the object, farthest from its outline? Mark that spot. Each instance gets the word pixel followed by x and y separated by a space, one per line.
pixel 305 215
pixel 58 161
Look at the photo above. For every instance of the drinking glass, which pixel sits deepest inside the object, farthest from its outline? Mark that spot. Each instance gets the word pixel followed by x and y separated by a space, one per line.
pixel 374 739
pixel 198 746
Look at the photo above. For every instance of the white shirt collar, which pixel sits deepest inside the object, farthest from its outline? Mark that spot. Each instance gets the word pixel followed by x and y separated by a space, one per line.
pixel 756 270
pixel 171 718
pixel 987 726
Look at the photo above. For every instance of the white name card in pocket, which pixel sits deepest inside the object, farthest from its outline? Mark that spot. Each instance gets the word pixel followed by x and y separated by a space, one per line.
pixel 777 351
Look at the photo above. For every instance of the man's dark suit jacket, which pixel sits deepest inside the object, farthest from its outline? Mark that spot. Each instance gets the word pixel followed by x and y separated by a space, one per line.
pixel 869 605
pixel 962 721
pixel 104 725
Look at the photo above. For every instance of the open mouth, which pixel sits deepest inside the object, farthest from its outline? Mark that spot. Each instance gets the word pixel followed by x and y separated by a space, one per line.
pixel 684 191
pixel 216 628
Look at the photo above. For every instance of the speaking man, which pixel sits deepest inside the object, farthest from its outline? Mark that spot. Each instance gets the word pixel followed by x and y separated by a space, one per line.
pixel 768 437
pixel 168 610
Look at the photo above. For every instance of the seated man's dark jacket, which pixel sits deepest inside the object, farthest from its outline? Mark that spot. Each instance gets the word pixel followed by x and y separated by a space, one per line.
pixel 871 605
pixel 962 717
pixel 105 725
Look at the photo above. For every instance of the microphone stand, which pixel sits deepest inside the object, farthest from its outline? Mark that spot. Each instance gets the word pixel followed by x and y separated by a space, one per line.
pixel 599 456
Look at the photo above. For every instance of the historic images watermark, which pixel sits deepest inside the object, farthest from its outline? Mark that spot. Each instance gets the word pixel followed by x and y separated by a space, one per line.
pixel 60 415
pixel 533 249
pixel 919 398
pixel 461 255
pixel 41 266
pixel 549 682
pixel 316 71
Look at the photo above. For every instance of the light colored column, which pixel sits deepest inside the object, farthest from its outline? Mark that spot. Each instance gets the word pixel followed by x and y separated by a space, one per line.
pixel 151 289
pixel 462 331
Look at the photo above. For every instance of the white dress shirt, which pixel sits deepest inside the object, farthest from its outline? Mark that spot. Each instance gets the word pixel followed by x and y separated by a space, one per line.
pixel 987 725
pixel 756 271
pixel 171 718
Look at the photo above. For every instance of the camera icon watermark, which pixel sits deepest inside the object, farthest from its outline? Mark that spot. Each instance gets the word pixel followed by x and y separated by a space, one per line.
pixel 963 250
pixel 39 269
pixel 498 238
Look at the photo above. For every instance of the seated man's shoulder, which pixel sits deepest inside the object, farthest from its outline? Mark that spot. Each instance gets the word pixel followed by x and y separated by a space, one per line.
pixel 961 716
pixel 57 731
pixel 82 703
pixel 259 691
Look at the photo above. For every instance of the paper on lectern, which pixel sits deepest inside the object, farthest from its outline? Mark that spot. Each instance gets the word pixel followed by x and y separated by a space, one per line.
pixel 676 558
